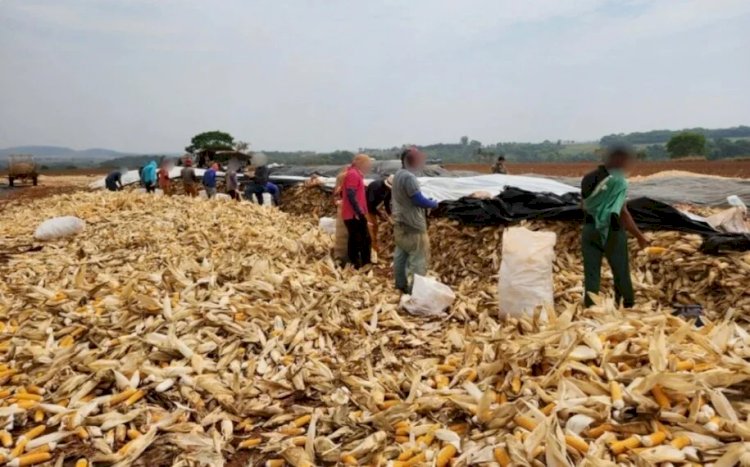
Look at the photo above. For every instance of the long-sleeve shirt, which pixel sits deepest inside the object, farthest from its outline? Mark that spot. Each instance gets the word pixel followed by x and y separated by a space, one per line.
pixel 355 201
pixel 209 178
pixel 409 203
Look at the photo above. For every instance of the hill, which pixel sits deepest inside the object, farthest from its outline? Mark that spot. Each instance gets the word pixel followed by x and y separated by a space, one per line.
pixel 55 152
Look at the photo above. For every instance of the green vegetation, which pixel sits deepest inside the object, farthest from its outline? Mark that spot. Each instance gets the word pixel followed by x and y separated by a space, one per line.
pixel 686 144
pixel 212 140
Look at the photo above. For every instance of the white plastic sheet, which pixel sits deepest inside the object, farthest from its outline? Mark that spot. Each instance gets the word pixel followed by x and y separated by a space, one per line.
pixel 428 297
pixel 327 225
pixel 525 281
pixel 59 227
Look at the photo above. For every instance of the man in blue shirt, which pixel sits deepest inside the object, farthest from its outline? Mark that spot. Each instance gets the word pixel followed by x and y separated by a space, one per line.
pixel 209 180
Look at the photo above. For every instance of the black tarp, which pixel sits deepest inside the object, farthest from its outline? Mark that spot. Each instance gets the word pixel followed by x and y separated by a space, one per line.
pixel 514 204
pixel 380 168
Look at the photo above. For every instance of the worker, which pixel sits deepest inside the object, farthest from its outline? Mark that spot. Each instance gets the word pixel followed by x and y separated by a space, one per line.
pixel 354 211
pixel 189 180
pixel 149 177
pixel 209 180
pixel 410 220
pixel 232 184
pixel 261 184
pixel 606 223
pixel 499 167
pixel 164 181
pixel 113 182
pixel 378 194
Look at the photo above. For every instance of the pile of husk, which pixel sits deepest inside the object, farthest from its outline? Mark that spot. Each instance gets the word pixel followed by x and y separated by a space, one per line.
pixel 191 332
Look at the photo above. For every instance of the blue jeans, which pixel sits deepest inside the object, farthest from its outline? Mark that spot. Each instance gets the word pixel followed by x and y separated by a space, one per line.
pixel 258 190
pixel 411 256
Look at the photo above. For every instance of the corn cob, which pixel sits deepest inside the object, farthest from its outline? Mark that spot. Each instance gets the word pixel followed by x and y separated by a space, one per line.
pixel 618 447
pixel 501 456
pixel 445 455
pixel 577 443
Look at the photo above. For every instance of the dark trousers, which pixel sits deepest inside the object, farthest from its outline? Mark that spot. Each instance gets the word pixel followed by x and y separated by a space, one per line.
pixel 616 252
pixel 150 187
pixel 358 245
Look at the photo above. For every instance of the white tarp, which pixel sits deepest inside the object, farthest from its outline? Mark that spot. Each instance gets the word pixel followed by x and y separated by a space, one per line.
pixel 439 188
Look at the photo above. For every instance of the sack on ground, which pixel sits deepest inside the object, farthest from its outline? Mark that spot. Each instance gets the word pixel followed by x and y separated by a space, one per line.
pixel 732 220
pixel 428 297
pixel 327 225
pixel 525 281
pixel 59 227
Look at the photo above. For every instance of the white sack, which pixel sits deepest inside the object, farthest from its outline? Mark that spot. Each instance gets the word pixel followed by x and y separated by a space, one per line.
pixel 732 220
pixel 428 297
pixel 526 271
pixel 59 227
pixel 327 225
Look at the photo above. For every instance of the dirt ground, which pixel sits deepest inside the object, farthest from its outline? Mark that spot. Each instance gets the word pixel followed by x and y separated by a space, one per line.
pixel 49 184
pixel 736 169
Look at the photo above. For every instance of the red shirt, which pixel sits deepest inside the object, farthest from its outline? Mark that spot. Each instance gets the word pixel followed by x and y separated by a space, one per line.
pixel 353 180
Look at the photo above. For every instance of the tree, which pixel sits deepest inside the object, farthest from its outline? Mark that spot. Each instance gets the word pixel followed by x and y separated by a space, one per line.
pixel 214 140
pixel 464 140
pixel 241 146
pixel 686 144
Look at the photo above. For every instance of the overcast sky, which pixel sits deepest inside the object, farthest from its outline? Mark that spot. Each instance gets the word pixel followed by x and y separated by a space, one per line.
pixel 138 75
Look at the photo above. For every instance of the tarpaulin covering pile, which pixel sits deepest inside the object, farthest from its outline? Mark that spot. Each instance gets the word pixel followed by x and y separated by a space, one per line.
pixel 514 205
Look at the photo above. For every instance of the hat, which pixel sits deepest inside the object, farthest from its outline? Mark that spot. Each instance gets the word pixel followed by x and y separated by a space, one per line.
pixel 389 181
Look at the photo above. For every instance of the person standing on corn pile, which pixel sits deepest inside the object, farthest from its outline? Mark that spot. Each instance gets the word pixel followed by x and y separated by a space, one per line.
pixel 209 180
pixel 189 180
pixel 149 177
pixel 378 193
pixel 354 211
pixel 410 220
pixel 606 223
pixel 165 183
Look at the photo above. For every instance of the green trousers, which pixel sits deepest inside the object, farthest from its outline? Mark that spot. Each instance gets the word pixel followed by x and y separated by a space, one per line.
pixel 616 252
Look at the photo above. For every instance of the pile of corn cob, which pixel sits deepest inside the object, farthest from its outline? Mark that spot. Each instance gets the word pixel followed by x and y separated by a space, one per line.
pixel 191 332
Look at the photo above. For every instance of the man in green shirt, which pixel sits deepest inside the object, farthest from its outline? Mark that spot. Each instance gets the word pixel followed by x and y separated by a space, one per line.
pixel 606 223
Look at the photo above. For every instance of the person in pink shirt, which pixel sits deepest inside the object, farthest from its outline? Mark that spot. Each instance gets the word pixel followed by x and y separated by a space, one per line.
pixel 354 210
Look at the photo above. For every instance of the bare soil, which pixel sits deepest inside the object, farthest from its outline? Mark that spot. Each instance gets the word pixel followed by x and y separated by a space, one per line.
pixel 734 168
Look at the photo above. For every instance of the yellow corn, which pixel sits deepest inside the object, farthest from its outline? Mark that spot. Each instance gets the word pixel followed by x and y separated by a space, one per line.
pixel 4 393
pixel 6 439
pixel 524 422
pixel 660 397
pixel 82 463
pixel 618 447
pixel 302 421
pixel 138 395
pixel 403 431
pixel 299 440
pixel 441 381
pixel 616 392
pixel 426 439
pixel 408 454
pixel 501 398
pixel 501 457
pixel 34 458
pixel 401 424
pixel 681 441
pixel 26 404
pixel 67 341
pixel 547 409
pixel 388 404
pixel 117 398
pixel 38 415
pixel 7 373
pixel 699 367
pixel 291 431
pixel 416 460
pixel 125 448
pixel 133 434
pixel 275 463
pixel 515 384
pixel 577 443
pixel 653 439
pixel 684 365
pixel 28 397
pixel 400 439
pixel 471 375
pixel 445 368
pixel 460 428
pixel 20 447
pixel 713 424
pixel 34 432
pixel 445 455
pixel 249 443
pixel 35 389
pixel 347 459
pixel 82 433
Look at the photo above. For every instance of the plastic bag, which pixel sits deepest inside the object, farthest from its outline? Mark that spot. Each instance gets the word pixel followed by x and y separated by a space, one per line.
pixel 525 281
pixel 341 238
pixel 428 297
pixel 59 227
pixel 327 225
pixel 731 220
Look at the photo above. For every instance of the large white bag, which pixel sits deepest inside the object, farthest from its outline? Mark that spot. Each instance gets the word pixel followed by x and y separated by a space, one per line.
pixel 59 227
pixel 731 220
pixel 525 281
pixel 327 225
pixel 428 297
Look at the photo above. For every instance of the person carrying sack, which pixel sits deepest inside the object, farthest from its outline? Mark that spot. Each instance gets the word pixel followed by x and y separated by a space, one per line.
pixel 606 223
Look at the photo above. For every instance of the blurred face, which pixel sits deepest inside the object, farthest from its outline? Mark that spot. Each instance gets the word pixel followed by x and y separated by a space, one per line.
pixel 366 166
pixel 420 159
